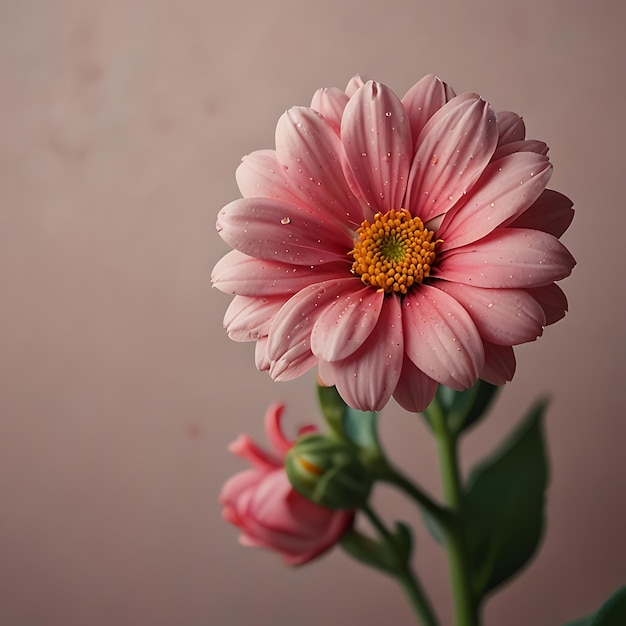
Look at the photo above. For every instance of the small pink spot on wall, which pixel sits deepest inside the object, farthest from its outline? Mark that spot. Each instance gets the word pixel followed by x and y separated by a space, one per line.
pixel 194 431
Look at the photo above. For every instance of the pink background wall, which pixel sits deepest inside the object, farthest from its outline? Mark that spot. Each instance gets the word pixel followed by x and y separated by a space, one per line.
pixel 121 125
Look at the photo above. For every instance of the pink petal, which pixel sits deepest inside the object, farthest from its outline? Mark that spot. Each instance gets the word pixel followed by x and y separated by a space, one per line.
pixel 441 338
pixel 415 390
pixel 325 374
pixel 377 138
pixel 249 542
pixel 508 258
pixel 453 149
pixel 343 326
pixel 273 429
pixel 261 175
pixel 423 100
pixel 290 333
pixel 552 300
pixel 247 319
pixel 244 275
pixel 336 526
pixel 293 364
pixel 505 190
pixel 354 84
pixel 288 520
pixel 312 154
pixel 526 145
pixel 330 102
pixel 368 377
pixel 502 316
pixel 510 127
pixel 499 364
pixel 237 489
pixel 278 231
pixel 552 213
pixel 269 518
pixel 246 448
pixel 261 360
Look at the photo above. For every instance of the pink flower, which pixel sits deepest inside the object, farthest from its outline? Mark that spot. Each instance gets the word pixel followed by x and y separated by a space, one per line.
pixel 397 244
pixel 270 513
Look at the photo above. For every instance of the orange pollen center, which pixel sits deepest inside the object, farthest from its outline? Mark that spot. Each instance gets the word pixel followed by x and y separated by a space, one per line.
pixel 394 252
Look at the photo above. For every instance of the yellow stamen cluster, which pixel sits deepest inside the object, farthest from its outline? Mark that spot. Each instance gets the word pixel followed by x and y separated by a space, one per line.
pixel 394 252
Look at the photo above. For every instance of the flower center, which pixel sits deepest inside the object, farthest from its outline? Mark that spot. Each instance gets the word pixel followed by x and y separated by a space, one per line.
pixel 393 252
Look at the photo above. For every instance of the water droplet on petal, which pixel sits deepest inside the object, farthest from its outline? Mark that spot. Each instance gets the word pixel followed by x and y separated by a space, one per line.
pixel 285 220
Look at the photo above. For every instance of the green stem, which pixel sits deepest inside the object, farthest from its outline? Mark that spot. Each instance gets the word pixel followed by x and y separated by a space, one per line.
pixel 465 604
pixel 405 575
pixel 382 470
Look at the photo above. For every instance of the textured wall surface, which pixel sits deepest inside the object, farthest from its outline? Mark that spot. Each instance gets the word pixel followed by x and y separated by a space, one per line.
pixel 122 123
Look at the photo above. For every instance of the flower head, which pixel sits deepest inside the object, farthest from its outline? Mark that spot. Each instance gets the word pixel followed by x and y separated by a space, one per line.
pixel 395 243
pixel 269 512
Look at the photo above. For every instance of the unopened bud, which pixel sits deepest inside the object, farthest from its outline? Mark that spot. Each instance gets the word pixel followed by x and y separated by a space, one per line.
pixel 328 471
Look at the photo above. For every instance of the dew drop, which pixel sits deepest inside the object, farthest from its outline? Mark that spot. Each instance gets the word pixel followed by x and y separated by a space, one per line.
pixel 388 113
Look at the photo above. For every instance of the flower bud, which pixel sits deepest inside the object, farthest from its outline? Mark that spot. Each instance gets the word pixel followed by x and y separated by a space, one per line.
pixel 328 471
pixel 269 511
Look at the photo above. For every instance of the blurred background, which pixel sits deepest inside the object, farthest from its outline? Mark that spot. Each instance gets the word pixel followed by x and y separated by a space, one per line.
pixel 121 126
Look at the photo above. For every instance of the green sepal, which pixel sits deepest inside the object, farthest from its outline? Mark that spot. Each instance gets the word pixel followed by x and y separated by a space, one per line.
pixel 369 551
pixel 327 470
pixel 403 539
pixel 387 557
pixel 504 505
pixel 611 613
pixel 358 427
pixel 462 409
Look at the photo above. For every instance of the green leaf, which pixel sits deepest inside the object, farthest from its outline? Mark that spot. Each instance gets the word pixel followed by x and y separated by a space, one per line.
pixel 358 427
pixel 463 409
pixel 333 407
pixel 504 505
pixel 584 621
pixel 612 612
pixel 434 527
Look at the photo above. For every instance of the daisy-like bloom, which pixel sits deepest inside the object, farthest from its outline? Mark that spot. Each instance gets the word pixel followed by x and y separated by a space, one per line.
pixel 395 243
